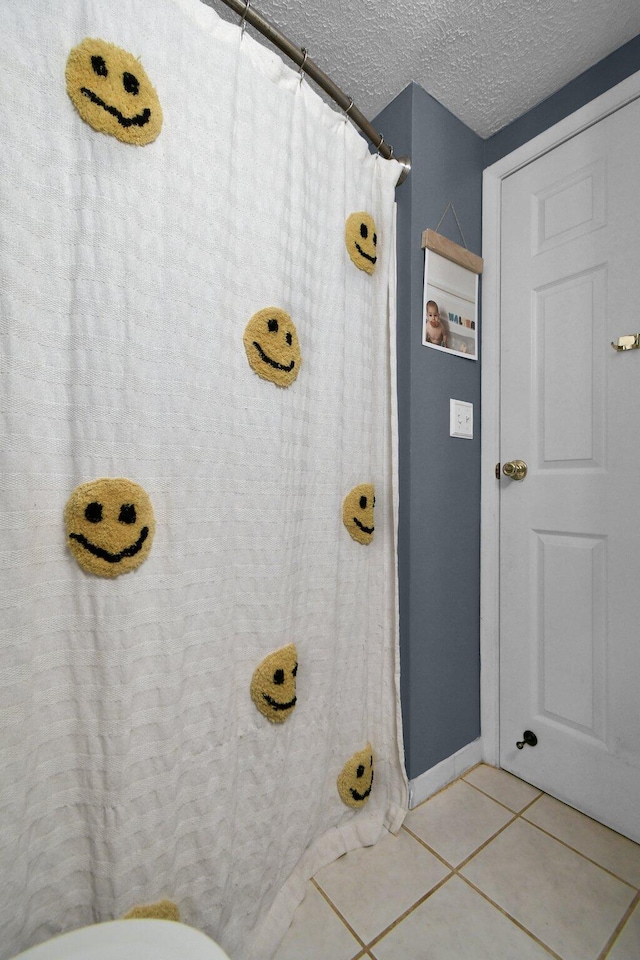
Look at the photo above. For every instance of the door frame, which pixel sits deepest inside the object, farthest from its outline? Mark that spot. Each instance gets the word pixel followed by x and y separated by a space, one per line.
pixel 614 99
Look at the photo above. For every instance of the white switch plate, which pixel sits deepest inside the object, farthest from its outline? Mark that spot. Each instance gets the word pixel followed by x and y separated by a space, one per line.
pixel 461 419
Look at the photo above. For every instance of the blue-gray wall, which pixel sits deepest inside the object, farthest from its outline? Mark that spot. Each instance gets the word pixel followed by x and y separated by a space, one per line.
pixel 439 564
pixel 439 522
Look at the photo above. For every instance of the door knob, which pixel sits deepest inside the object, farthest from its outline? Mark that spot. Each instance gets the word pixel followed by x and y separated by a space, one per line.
pixel 515 469
pixel 528 737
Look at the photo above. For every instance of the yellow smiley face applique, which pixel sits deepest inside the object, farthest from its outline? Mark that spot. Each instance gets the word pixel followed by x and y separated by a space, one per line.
pixel 273 351
pixel 361 240
pixel 112 92
pixel 273 686
pixel 110 526
pixel 356 779
pixel 162 910
pixel 357 512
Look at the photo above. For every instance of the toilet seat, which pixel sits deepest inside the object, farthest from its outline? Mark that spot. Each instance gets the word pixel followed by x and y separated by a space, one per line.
pixel 128 940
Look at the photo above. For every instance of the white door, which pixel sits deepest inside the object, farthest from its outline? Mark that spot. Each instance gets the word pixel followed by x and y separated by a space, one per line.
pixel 570 531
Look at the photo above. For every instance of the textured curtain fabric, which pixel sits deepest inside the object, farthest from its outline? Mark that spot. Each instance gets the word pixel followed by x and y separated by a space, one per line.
pixel 134 762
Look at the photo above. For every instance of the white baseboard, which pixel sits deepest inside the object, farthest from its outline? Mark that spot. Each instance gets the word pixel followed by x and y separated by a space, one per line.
pixel 444 772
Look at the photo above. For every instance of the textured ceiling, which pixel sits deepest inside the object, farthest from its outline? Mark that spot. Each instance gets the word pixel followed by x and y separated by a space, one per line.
pixel 487 61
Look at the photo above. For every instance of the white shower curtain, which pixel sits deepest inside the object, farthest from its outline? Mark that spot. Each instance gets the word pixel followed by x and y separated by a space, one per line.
pixel 134 765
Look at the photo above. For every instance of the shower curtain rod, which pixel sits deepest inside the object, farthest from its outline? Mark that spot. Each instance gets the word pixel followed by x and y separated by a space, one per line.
pixel 299 55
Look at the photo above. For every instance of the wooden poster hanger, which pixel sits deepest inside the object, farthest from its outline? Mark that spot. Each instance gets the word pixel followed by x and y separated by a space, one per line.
pixel 450 250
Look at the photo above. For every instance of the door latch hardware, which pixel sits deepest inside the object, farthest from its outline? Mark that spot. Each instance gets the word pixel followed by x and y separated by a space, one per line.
pixel 528 737
pixel 631 342
pixel 515 469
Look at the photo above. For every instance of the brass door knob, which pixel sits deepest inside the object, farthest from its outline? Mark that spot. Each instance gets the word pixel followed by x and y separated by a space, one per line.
pixel 515 469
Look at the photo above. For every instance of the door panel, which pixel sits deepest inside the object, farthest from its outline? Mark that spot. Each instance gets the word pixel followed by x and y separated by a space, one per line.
pixel 569 532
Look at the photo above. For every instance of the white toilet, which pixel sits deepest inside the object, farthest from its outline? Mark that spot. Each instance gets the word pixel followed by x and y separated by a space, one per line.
pixel 129 940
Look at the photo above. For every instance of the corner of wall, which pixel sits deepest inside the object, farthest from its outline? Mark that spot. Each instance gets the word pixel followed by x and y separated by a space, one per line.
pixel 604 75
pixel 439 627
pixel 445 772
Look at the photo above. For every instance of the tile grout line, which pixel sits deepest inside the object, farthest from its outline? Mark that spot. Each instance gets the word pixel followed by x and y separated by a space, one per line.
pixel 424 843
pixel 528 806
pixel 398 919
pixel 485 843
pixel 339 915
pixel 403 916
pixel 517 923
pixel 501 802
pixel 615 876
pixel 595 863
pixel 552 835
pixel 455 871
pixel 516 815
pixel 618 930
pixel 531 823
pixel 520 815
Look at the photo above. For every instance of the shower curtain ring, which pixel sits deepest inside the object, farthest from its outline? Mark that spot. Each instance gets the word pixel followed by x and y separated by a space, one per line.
pixel 243 22
pixel 350 107
pixel 380 144
pixel 304 60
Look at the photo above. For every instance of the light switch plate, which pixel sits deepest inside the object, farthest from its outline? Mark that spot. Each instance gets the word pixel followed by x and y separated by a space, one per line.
pixel 461 419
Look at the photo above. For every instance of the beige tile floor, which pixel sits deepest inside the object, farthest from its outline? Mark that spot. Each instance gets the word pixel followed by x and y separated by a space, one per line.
pixel 488 869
